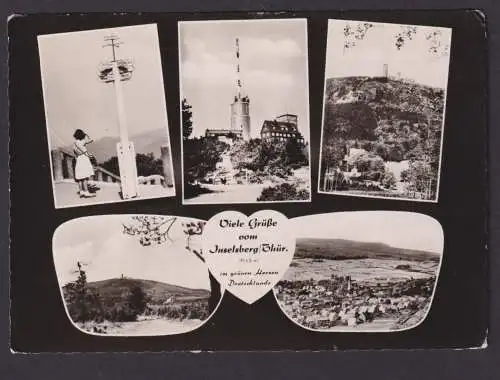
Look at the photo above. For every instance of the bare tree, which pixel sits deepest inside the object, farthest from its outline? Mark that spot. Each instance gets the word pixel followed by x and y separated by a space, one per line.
pixel 407 32
pixel 353 33
pixel 150 229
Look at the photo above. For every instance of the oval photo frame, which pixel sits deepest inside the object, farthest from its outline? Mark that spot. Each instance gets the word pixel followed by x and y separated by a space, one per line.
pixel 134 275
pixel 362 271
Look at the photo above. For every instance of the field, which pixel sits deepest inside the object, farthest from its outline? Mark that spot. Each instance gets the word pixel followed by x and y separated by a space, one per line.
pixel 360 270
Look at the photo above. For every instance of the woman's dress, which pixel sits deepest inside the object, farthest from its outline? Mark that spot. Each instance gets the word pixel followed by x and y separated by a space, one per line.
pixel 83 167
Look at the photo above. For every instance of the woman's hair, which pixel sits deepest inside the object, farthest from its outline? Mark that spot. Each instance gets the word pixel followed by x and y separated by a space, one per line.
pixel 79 134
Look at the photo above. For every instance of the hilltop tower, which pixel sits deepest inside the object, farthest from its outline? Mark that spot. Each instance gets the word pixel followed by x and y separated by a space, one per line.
pixel 385 71
pixel 240 108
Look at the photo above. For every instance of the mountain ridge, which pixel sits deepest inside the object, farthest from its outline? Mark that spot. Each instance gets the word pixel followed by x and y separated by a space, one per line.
pixel 338 249
pixel 144 143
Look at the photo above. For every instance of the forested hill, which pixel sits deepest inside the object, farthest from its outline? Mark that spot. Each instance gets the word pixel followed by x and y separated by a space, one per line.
pixel 388 97
pixel 392 113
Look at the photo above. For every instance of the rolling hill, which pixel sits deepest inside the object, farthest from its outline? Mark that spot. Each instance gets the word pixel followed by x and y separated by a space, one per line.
pixel 340 249
pixel 387 97
pixel 148 142
pixel 116 290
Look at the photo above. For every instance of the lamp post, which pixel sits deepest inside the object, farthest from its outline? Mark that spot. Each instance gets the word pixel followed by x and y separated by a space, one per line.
pixel 116 71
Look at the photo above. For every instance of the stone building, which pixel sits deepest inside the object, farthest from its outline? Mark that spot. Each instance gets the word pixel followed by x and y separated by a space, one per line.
pixel 282 128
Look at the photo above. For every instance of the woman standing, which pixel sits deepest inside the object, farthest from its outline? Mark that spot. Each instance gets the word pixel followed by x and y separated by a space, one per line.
pixel 83 168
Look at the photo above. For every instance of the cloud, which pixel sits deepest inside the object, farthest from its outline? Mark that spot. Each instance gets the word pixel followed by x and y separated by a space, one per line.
pixel 215 69
pixel 208 69
pixel 250 46
pixel 263 47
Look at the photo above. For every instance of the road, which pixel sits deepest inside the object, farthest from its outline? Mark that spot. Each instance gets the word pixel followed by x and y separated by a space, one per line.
pixel 146 327
pixel 229 194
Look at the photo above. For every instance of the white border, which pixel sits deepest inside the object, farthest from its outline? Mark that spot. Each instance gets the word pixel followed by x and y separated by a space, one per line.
pixel 345 193
pixel 56 205
pixel 344 329
pixel 179 24
pixel 222 289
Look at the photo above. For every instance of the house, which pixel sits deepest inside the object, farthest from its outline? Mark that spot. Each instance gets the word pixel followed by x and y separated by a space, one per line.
pixel 350 158
pixel 282 128
pixel 353 154
pixel 352 321
pixel 225 135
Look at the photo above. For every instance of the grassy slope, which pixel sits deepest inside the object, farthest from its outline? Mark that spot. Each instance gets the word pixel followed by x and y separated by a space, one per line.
pixel 117 289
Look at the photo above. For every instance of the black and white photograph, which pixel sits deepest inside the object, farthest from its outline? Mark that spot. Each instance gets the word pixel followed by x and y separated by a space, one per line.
pixel 134 275
pixel 366 271
pixel 384 110
pixel 245 111
pixel 106 116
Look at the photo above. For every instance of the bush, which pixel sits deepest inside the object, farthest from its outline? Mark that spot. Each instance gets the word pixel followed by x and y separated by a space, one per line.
pixel 191 191
pixel 388 180
pixel 137 300
pixel 201 156
pixel 283 192
pixel 194 310
pixel 84 304
pixel 280 171
pixel 121 313
pixel 265 157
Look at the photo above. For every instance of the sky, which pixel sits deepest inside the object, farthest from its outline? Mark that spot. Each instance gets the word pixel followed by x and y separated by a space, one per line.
pixel 398 229
pixel 98 242
pixel 273 65
pixel 366 58
pixel 75 98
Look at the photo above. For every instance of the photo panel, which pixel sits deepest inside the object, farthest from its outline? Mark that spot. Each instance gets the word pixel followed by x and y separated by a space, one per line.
pixel 244 111
pixel 384 110
pixel 134 275
pixel 362 271
pixel 106 116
